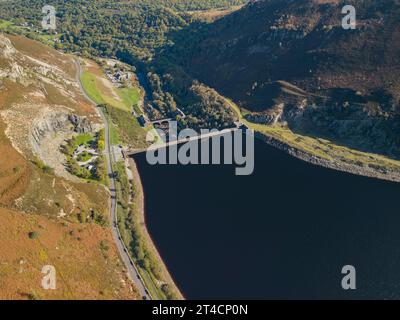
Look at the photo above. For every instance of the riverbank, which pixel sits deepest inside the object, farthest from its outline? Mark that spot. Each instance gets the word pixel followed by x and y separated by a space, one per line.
pixel 156 270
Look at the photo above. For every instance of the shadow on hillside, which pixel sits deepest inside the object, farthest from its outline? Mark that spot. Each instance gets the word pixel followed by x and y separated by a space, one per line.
pixel 351 128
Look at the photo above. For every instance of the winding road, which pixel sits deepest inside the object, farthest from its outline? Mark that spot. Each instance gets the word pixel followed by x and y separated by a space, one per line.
pixel 123 250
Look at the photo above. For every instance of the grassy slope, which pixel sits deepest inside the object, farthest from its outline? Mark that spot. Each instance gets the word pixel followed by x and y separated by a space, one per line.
pixel 322 148
pixel 5 24
pixel 89 83
pixel 83 139
pixel 125 128
pixel 128 97
pixel 214 14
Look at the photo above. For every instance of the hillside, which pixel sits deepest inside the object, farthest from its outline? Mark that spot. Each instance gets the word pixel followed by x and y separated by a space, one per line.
pixel 41 107
pixel 87 265
pixel 112 28
pixel 282 62
pixel 291 62
pixel 132 32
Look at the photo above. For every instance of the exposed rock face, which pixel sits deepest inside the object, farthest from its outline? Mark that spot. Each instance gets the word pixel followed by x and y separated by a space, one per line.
pixel 50 132
pixel 37 69
pixel 14 71
pixel 55 123
pixel 58 123
pixel 263 118
pixel 9 56
pixel 268 118
pixel 6 48
pixel 47 106
pixel 81 124
pixel 38 131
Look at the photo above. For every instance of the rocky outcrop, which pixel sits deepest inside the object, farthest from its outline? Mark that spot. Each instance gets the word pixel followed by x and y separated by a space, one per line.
pixel 271 117
pixel 57 123
pixel 47 101
pixel 7 50
pixel 81 124
pixel 268 119
pixel 48 133
pixel 10 68
pixel 262 118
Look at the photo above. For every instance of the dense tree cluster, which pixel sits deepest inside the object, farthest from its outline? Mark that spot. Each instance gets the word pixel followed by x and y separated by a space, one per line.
pixel 162 100
pixel 109 28
pixel 211 110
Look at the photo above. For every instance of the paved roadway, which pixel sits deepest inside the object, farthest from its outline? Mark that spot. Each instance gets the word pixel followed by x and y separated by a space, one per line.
pixel 123 251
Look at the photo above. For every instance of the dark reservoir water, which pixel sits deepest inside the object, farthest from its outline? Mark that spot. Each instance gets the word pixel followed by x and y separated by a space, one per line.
pixel 284 232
